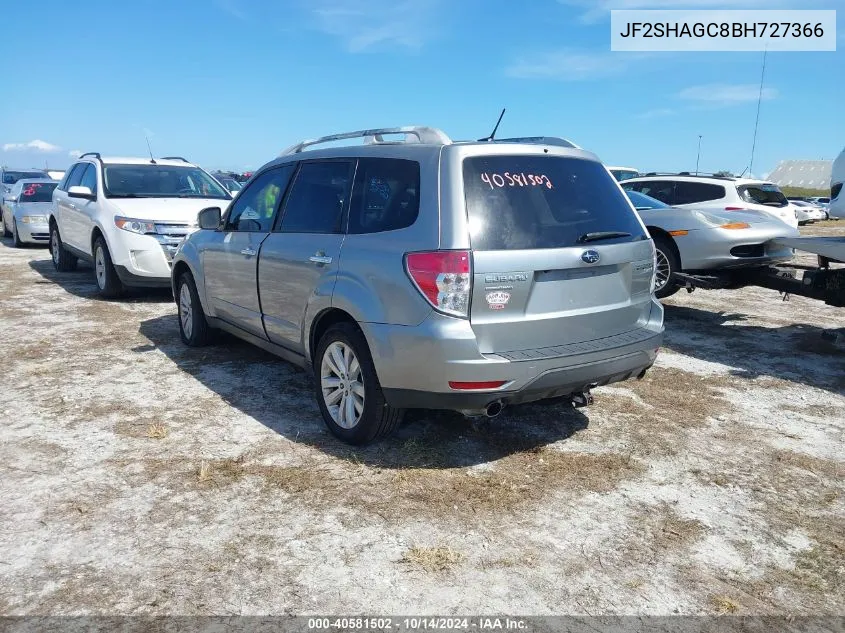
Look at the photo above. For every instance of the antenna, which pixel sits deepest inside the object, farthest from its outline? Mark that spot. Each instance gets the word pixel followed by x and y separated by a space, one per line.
pixel 757 120
pixel 493 133
pixel 152 160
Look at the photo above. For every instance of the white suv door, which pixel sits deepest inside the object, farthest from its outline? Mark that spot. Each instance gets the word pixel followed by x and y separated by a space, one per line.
pixel 63 210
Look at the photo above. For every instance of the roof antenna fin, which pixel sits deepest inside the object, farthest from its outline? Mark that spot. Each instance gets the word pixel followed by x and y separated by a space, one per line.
pixel 493 133
pixel 152 160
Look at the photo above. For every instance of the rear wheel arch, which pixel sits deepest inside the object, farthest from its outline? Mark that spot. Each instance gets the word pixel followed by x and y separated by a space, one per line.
pixel 322 322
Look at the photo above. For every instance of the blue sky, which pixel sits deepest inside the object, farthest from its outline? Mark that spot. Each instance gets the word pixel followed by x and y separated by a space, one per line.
pixel 229 83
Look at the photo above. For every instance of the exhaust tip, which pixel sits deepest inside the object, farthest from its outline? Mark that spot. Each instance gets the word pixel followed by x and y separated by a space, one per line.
pixel 493 409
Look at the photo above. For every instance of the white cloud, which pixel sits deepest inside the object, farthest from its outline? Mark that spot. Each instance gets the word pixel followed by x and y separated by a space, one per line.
pixel 727 94
pixel 36 145
pixel 407 24
pixel 596 10
pixel 74 153
pixel 571 65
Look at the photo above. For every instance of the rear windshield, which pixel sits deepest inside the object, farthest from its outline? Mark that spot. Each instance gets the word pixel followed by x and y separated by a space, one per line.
pixel 37 191
pixel 11 177
pixel 763 194
pixel 523 202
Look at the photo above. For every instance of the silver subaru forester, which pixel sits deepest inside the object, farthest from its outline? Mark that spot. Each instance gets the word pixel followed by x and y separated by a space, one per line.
pixel 412 271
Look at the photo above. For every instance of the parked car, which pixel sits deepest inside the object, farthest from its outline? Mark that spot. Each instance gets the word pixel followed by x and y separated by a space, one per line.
pixel 695 241
pixel 808 212
pixel 232 185
pixel 623 173
pixel 821 201
pixel 128 216
pixel 836 206
pixel 428 274
pixel 26 209
pixel 9 176
pixel 716 193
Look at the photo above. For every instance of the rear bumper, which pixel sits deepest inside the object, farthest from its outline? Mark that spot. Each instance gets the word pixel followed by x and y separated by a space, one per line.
pixel 551 384
pixel 416 364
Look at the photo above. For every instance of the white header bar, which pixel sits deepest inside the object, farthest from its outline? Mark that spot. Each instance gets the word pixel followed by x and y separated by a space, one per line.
pixel 722 30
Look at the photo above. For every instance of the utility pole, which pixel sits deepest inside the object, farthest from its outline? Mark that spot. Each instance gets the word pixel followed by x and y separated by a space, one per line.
pixel 698 156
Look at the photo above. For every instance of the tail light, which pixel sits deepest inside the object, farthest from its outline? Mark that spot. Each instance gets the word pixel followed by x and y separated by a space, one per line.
pixel 443 278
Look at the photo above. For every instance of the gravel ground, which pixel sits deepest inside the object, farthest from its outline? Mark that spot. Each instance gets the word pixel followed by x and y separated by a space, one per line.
pixel 143 477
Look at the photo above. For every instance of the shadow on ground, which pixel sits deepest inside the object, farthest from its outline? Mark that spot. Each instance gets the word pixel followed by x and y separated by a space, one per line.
pixel 281 397
pixel 81 283
pixel 796 353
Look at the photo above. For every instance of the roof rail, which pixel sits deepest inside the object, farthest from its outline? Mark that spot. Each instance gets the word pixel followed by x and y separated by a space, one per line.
pixel 423 134
pixel 539 140
pixel 94 154
pixel 184 160
pixel 688 174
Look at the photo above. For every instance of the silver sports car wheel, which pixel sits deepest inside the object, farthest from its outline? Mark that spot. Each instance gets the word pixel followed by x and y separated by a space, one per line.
pixel 186 312
pixel 342 385
pixel 663 271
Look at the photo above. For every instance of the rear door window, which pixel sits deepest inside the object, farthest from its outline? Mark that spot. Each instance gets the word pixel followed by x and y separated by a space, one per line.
pixel 527 202
pixel 318 197
pixel 766 194
pixel 692 192
pixel 386 195
pixel 663 190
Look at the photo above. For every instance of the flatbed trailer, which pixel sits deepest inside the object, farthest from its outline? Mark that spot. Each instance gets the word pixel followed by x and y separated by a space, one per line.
pixel 822 282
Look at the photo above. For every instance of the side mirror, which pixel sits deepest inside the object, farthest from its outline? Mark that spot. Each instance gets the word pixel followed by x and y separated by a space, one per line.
pixel 209 218
pixel 79 191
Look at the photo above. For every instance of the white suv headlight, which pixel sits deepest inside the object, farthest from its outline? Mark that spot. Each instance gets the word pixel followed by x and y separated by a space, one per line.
pixel 142 227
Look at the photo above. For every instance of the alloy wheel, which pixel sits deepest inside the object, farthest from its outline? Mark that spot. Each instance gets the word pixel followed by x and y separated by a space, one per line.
pixel 55 246
pixel 186 311
pixel 100 267
pixel 342 384
pixel 663 271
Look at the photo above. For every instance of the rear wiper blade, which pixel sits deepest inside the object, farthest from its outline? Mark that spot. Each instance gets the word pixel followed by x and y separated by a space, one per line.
pixel 601 235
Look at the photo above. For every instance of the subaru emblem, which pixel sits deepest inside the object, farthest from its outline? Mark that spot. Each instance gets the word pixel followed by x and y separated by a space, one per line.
pixel 590 257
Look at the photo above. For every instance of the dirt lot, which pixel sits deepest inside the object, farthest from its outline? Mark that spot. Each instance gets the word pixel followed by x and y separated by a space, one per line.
pixel 140 476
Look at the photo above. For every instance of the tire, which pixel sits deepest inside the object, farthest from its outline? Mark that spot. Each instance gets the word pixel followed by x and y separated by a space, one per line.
pixel 193 326
pixel 668 263
pixel 63 261
pixel 107 280
pixel 16 240
pixel 376 418
pixel 6 232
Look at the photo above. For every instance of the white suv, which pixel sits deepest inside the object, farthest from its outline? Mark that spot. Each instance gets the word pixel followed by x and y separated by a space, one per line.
pixel 128 216
pixel 722 193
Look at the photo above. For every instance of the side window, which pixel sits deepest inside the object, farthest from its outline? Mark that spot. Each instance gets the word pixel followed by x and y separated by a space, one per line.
pixel 89 178
pixel 317 198
pixel 386 195
pixel 255 208
pixel 692 192
pixel 75 175
pixel 663 190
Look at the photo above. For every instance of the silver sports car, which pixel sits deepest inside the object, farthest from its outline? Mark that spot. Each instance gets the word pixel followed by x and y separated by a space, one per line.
pixel 697 241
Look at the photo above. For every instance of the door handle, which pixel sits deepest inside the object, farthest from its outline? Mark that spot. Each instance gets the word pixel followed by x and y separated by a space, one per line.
pixel 248 252
pixel 320 259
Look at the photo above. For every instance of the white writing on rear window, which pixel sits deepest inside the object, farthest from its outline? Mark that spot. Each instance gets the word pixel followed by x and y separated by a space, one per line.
pixel 516 180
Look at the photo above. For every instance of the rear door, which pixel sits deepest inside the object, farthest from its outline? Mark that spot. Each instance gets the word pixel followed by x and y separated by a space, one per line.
pixel 230 260
pixel 299 260
pixel 559 256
